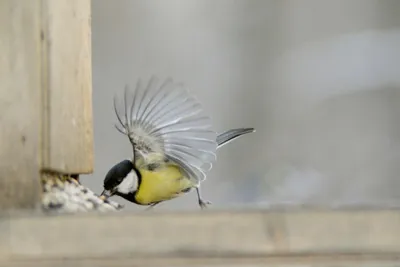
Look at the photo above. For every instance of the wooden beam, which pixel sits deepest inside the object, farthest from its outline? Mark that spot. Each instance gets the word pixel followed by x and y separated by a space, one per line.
pixel 20 102
pixel 45 95
pixel 67 86
pixel 252 238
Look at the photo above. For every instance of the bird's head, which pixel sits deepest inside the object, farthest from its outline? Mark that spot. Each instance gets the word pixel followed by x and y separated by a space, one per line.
pixel 122 179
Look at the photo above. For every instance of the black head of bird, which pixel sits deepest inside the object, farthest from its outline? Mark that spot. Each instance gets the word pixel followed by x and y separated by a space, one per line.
pixel 122 180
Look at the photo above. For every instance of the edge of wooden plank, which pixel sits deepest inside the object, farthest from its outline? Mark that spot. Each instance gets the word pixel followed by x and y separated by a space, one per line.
pixel 200 234
pixel 338 260
pixel 67 81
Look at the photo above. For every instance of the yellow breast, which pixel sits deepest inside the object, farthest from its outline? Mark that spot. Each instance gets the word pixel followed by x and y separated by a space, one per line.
pixel 164 183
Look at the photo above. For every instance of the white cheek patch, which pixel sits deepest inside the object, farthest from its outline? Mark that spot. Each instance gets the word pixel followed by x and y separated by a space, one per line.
pixel 129 184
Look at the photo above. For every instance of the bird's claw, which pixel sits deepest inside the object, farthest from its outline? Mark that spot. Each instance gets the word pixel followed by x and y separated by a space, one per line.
pixel 204 203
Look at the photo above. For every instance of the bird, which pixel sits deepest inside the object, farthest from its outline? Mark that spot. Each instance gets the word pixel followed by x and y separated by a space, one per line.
pixel 172 142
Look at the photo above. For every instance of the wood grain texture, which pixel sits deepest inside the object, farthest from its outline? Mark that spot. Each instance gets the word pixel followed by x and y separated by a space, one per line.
pixel 67 81
pixel 20 99
pixel 45 95
pixel 253 238
pixel 334 260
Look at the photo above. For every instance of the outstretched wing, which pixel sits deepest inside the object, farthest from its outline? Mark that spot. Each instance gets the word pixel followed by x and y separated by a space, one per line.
pixel 164 118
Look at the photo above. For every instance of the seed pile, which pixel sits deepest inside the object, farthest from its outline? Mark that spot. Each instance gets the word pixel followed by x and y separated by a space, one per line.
pixel 66 195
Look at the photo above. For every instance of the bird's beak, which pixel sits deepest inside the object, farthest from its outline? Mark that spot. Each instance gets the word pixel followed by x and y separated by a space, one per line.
pixel 104 194
pixel 107 193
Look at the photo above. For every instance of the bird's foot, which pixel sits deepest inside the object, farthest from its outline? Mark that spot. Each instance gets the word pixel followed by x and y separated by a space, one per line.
pixel 204 203
pixel 151 206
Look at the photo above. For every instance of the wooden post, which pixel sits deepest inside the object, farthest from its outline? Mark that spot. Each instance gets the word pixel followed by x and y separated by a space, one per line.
pixel 45 95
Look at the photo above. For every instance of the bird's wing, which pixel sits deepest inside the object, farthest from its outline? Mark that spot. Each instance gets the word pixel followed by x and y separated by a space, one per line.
pixel 164 118
pixel 230 135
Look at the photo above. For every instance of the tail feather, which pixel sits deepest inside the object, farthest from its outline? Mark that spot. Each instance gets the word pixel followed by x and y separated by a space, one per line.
pixel 230 135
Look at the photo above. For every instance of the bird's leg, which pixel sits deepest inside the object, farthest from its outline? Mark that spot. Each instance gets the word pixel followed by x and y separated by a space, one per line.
pixel 202 203
pixel 152 206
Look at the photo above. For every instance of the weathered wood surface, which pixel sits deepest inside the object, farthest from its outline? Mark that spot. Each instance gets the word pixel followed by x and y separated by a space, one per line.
pixel 20 99
pixel 211 238
pixel 45 95
pixel 67 85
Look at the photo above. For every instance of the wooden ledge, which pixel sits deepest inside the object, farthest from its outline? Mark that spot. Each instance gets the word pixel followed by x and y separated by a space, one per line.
pixel 252 235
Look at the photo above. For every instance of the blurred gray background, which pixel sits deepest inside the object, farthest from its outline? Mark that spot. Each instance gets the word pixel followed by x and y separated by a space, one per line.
pixel 318 79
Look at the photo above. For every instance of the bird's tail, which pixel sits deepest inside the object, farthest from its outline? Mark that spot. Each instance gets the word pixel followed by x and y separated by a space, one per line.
pixel 228 136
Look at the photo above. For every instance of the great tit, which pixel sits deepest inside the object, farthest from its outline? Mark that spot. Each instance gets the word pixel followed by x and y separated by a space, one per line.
pixel 173 145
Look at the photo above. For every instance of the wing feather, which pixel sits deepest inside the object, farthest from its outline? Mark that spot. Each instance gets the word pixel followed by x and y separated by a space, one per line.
pixel 230 135
pixel 164 118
